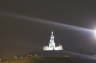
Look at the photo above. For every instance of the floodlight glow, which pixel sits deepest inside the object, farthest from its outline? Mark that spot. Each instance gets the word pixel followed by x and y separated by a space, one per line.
pixel 95 33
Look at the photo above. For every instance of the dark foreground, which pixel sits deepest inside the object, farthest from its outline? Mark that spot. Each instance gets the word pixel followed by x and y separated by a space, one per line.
pixel 47 60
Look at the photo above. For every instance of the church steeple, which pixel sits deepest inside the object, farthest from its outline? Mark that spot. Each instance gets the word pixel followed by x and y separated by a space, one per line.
pixel 52 37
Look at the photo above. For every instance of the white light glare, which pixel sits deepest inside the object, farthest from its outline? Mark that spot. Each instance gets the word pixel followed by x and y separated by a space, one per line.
pixel 95 33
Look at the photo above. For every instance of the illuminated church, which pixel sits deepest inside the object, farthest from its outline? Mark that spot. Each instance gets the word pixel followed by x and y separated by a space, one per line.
pixel 52 46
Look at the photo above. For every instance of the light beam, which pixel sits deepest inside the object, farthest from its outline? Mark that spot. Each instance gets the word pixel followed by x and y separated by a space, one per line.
pixel 51 23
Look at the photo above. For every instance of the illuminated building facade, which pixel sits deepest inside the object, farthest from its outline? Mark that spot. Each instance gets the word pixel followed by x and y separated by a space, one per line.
pixel 52 46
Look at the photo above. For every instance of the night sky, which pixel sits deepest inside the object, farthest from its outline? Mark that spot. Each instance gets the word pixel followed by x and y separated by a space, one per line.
pixel 19 36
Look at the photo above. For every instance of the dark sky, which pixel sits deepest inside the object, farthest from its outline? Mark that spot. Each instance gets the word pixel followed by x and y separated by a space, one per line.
pixel 20 36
